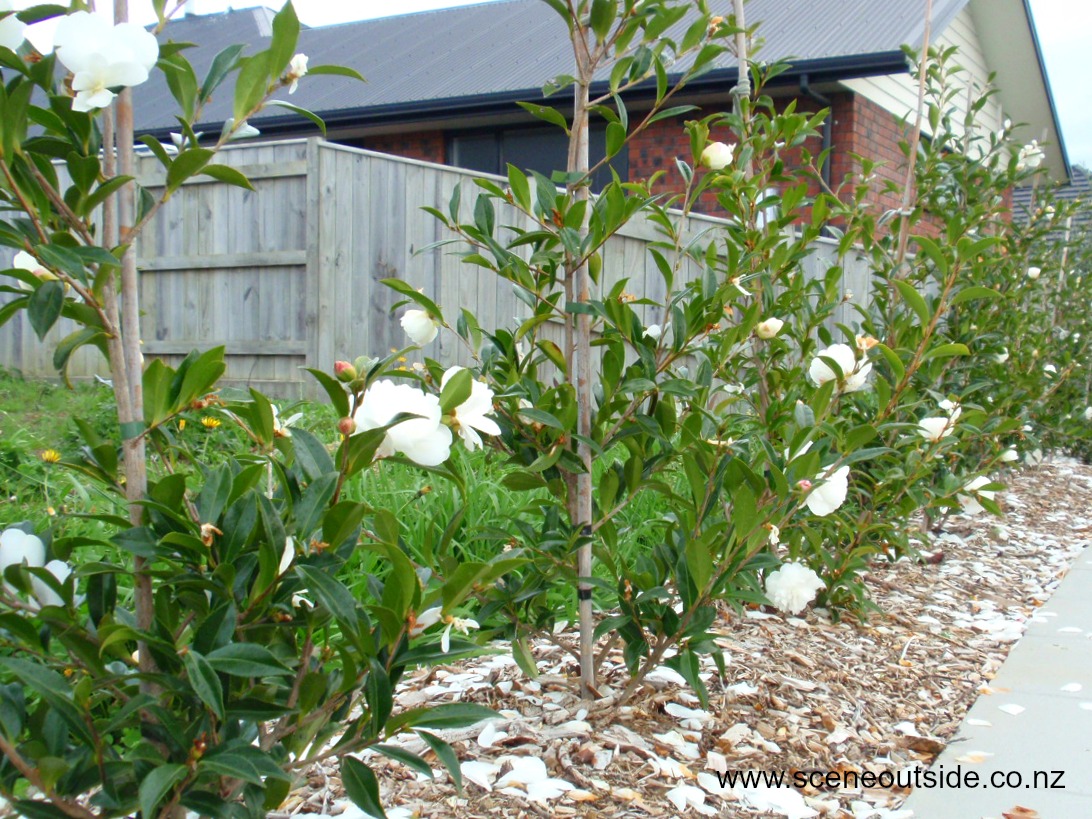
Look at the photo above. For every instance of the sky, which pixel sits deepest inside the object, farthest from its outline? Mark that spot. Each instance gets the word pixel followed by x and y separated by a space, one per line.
pixel 1064 27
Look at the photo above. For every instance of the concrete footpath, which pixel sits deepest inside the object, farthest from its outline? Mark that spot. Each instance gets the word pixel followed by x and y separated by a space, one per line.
pixel 1038 718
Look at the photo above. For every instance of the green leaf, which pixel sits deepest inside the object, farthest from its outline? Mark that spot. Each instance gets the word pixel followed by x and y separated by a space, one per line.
pixel 214 494
pixel 332 594
pixel 947 351
pixel 406 290
pixel 361 786
pixel 286 33
pixel 251 85
pixel 974 292
pixel 335 70
pixel 602 17
pixel 228 175
pixel 221 66
pixel 456 391
pixel 446 754
pixel 156 786
pixel 204 681
pixel 546 113
pixel 915 300
pixel 448 715
pixel 521 188
pixel 102 193
pixel 334 389
pixel 44 307
pixel 246 660
pixel 188 163
pixel 303 112
pixel 405 757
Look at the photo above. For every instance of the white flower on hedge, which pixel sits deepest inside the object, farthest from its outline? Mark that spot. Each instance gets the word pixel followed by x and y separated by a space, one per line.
pixel 830 494
pixel 654 331
pixel 937 427
pixel 459 624
pixel 429 617
pixel 774 538
pixel 1088 413
pixel 1009 456
pixel 281 427
pixel 1034 273
pixel 717 155
pixel 423 440
pixel 45 595
pixel 297 68
pixel 1031 156
pixel 11 28
pixel 969 502
pixel 472 416
pixel 16 547
pixel 1050 369
pixel 769 328
pixel 244 131
pixel 854 372
pixel 1002 356
pixel 420 326
pixel 287 555
pixel 102 56
pixel 792 587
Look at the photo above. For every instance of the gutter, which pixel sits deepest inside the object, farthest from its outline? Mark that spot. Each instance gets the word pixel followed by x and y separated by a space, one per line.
pixel 1050 96
pixel 483 105
pixel 806 90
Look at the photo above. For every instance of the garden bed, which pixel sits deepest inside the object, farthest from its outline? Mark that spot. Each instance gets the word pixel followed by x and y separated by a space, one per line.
pixel 802 693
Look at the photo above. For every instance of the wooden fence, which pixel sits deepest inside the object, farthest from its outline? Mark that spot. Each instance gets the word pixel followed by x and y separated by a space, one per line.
pixel 287 276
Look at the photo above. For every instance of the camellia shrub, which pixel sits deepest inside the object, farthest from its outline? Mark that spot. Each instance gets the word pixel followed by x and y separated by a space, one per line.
pixel 206 649
pixel 789 449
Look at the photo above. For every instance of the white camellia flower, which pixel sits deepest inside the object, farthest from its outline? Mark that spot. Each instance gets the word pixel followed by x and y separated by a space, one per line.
pixel 245 131
pixel 1001 357
pixel 792 587
pixel 769 328
pixel 1050 369
pixel 11 28
pixel 46 596
pixel 16 547
pixel 830 493
pixel 429 617
pixel 654 331
pixel 102 56
pixel 1031 156
pixel 297 68
pixel 935 428
pixel 423 440
pixel 970 503
pixel 854 372
pixel 281 427
pixel 717 155
pixel 1088 413
pixel 288 555
pixel 1034 272
pixel 420 327
pixel 1009 456
pixel 459 624
pixel 471 416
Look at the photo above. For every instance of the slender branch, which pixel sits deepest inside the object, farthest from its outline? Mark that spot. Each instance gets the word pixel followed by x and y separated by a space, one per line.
pixel 915 140
pixel 31 774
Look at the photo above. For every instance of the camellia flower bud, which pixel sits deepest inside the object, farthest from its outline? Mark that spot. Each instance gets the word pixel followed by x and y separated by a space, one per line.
pixel 769 328
pixel 346 426
pixel 717 155
pixel 344 371
pixel 1034 273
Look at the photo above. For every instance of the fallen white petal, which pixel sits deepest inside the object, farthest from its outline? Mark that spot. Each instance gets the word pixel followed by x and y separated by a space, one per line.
pixel 1012 708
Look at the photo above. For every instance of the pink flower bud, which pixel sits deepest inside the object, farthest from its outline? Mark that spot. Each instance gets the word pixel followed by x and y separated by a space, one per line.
pixel 344 371
pixel 803 485
pixel 346 426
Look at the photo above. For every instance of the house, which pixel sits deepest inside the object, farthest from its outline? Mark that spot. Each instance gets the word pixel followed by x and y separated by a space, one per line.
pixel 442 85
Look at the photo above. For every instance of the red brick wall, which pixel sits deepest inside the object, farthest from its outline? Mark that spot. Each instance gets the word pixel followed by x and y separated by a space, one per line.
pixel 425 145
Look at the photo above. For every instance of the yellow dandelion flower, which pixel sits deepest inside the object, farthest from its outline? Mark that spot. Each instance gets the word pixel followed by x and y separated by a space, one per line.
pixel 209 422
pixel 50 456
pixel 181 424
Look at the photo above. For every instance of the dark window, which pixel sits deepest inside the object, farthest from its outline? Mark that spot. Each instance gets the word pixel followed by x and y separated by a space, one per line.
pixel 530 149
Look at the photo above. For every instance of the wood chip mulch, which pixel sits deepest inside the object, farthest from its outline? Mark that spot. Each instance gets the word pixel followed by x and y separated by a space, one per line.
pixel 802 693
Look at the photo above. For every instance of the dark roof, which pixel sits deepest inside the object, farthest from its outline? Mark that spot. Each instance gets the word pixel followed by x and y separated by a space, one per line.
pixel 1078 189
pixel 490 54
